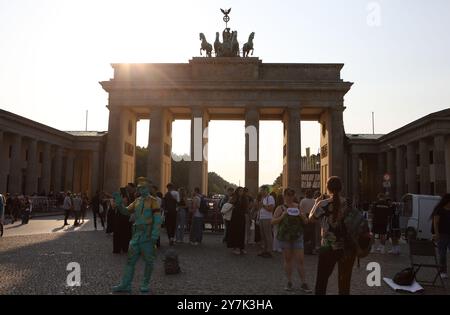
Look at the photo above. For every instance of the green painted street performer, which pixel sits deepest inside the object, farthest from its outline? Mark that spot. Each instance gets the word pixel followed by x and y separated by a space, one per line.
pixel 146 231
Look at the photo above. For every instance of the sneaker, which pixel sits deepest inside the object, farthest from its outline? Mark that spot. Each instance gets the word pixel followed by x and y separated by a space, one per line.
pixel 305 288
pixel 444 275
pixel 243 251
pixel 236 252
pixel 382 250
pixel 289 286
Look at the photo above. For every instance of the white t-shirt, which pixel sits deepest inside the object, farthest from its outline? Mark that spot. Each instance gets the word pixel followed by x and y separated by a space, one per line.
pixel 306 205
pixel 175 195
pixel 263 213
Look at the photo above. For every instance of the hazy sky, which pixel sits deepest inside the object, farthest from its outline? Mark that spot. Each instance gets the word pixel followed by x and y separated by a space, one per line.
pixel 53 53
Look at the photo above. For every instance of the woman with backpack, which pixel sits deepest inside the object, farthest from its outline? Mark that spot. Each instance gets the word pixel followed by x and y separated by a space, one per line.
pixel 290 222
pixel 441 231
pixel 332 212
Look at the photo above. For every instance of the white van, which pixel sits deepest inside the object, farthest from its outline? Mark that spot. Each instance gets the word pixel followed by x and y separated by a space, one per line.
pixel 417 210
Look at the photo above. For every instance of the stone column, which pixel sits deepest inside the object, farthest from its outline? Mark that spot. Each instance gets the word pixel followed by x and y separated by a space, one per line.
pixel 447 162
pixel 411 161
pixel 68 185
pixel 400 172
pixel 424 167
pixel 252 150
pixel 15 165
pixel 355 175
pixel 155 146
pixel 337 142
pixel 392 173
pixel 94 172
pixel 381 170
pixel 114 151
pixel 292 169
pixel 57 180
pixel 32 168
pixel 198 171
pixel 3 156
pixel 440 186
pixel 46 167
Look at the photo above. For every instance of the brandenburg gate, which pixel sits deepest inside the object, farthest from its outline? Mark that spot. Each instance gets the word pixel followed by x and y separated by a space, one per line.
pixel 224 87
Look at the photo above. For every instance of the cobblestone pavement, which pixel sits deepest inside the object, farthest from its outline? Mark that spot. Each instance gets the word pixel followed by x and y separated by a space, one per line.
pixel 36 264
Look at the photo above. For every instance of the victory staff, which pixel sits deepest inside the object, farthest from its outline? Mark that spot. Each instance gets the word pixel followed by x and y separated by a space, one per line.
pixel 146 231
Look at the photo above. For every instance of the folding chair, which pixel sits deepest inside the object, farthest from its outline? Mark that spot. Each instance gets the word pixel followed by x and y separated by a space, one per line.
pixel 424 248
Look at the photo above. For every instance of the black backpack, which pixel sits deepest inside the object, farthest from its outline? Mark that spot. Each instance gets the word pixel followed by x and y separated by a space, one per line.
pixel 358 231
pixel 171 264
pixel 404 277
pixel 203 206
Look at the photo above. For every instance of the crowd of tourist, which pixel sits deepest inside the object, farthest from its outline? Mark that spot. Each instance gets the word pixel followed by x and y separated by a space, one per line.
pixel 275 222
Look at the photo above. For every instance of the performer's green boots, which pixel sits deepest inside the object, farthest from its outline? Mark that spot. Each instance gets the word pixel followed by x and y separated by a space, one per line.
pixel 147 276
pixel 125 284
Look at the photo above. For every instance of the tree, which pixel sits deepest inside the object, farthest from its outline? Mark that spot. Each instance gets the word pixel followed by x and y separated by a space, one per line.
pixel 180 173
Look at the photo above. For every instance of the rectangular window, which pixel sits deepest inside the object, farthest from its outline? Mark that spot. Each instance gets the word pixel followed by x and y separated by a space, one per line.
pixel 26 155
pixel 418 159
pixel 41 157
pixel 10 151
pixel 431 157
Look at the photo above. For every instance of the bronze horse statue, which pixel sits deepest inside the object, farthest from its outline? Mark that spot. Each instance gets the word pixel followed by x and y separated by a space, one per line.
pixel 248 45
pixel 235 44
pixel 218 46
pixel 205 46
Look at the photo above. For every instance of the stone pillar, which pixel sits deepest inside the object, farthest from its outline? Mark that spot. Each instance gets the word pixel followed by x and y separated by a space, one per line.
pixel 337 142
pixel 198 171
pixel 292 168
pixel 15 165
pixel 424 167
pixel 447 162
pixel 114 151
pixel 156 147
pixel 160 148
pixel 355 176
pixel 57 179
pixel 400 172
pixel 411 161
pixel 252 150
pixel 392 173
pixel 440 186
pixel 68 185
pixel 94 172
pixel 3 156
pixel 32 169
pixel 381 170
pixel 46 167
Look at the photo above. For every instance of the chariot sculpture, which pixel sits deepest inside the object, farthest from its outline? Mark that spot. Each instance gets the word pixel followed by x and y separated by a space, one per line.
pixel 229 47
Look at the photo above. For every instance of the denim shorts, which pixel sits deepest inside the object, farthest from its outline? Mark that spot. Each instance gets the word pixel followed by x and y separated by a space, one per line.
pixel 297 244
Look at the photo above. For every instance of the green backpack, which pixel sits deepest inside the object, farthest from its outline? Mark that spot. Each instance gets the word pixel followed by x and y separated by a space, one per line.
pixel 290 228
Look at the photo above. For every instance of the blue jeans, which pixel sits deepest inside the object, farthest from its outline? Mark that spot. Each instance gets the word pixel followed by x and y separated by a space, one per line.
pixel 181 224
pixel 196 230
pixel 443 244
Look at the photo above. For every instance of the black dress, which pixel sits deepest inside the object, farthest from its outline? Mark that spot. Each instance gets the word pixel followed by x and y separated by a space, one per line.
pixel 121 228
pixel 236 235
